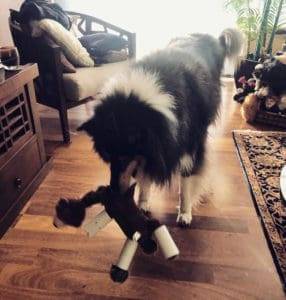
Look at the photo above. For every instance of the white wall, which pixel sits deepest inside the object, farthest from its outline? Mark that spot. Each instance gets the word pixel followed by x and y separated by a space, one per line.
pixel 157 21
pixel 5 5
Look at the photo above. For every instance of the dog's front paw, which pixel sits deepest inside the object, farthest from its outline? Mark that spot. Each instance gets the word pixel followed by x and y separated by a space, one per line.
pixel 184 220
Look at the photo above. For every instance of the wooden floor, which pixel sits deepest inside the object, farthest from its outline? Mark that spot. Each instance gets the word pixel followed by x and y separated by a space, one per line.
pixel 223 256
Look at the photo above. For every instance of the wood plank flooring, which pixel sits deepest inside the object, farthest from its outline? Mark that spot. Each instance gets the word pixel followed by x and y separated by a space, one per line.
pixel 223 256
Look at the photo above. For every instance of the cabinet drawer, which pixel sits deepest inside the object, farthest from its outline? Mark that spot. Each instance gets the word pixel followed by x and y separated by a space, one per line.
pixel 16 175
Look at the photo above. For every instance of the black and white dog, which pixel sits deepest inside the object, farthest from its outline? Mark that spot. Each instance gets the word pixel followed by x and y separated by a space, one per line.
pixel 158 112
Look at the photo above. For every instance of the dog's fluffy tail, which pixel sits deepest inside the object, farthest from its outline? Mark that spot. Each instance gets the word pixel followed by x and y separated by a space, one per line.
pixel 232 41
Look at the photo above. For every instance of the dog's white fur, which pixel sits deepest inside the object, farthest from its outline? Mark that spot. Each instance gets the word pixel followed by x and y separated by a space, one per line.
pixel 146 86
pixel 186 163
pixel 191 190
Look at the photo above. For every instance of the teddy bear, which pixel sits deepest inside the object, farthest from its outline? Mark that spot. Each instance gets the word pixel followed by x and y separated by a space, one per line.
pixel 139 227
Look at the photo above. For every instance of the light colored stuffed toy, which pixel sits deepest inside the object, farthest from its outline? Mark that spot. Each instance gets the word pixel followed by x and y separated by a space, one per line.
pixel 250 107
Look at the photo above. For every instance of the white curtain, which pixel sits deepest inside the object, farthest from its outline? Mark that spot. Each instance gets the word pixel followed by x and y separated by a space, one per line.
pixel 157 21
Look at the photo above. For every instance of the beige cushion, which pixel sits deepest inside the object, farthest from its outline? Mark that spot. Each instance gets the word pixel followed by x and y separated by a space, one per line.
pixel 70 45
pixel 87 82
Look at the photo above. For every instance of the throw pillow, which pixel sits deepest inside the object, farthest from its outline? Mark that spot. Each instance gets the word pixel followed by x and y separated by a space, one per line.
pixel 70 45
pixel 67 66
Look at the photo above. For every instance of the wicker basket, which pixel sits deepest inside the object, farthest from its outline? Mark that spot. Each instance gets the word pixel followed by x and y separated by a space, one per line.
pixel 271 118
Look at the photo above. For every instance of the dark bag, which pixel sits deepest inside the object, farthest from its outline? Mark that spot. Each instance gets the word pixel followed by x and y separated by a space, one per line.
pixel 99 44
pixel 41 9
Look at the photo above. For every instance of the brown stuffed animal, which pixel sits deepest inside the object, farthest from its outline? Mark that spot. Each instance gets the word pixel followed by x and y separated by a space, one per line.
pixel 250 107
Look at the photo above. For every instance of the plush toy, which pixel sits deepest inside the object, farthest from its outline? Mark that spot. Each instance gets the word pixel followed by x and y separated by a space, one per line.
pixel 271 73
pixel 282 103
pixel 270 89
pixel 250 107
pixel 138 227
pixel 248 87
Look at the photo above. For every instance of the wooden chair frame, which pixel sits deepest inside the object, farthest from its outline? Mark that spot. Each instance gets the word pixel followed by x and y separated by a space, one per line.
pixel 50 85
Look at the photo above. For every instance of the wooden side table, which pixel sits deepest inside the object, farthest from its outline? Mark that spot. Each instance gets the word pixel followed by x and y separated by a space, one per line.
pixel 283 184
pixel 23 161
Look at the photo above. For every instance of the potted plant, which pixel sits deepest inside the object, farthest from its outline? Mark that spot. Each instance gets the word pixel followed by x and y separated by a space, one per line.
pixel 259 27
pixel 275 19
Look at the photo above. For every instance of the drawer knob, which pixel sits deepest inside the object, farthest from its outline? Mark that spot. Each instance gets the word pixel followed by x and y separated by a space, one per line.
pixel 18 183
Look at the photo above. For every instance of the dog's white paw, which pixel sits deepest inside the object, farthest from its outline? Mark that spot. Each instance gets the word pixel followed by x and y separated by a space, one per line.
pixel 184 220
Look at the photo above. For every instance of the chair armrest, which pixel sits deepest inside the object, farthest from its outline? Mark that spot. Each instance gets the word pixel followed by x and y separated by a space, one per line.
pixel 85 27
pixel 51 87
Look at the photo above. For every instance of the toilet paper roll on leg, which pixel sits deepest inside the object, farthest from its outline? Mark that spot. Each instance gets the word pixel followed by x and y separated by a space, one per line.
pixel 119 272
pixel 166 243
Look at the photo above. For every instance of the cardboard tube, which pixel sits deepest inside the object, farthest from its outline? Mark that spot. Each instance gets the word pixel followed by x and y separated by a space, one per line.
pixel 166 243
pixel 127 253
pixel 98 223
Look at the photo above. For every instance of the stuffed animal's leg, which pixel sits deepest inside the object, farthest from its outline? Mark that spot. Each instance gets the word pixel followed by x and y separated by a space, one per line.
pixel 94 197
pixel 72 212
pixel 166 243
pixel 119 271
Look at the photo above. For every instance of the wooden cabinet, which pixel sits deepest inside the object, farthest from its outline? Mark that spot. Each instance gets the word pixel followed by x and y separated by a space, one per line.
pixel 23 161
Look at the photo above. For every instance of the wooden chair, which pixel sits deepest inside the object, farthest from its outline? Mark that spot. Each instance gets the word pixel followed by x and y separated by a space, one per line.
pixel 51 86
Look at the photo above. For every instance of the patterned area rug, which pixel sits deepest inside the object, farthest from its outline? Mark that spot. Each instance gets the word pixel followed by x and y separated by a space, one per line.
pixel 263 154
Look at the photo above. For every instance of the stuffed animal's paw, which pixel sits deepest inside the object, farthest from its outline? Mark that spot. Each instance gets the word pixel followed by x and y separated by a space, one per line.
pixel 70 212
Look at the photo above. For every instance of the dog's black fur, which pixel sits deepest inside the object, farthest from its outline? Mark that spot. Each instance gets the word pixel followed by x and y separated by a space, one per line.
pixel 124 127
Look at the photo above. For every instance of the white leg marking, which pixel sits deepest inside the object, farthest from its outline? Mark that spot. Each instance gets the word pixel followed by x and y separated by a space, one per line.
pixel 186 163
pixel 144 191
pixel 192 188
